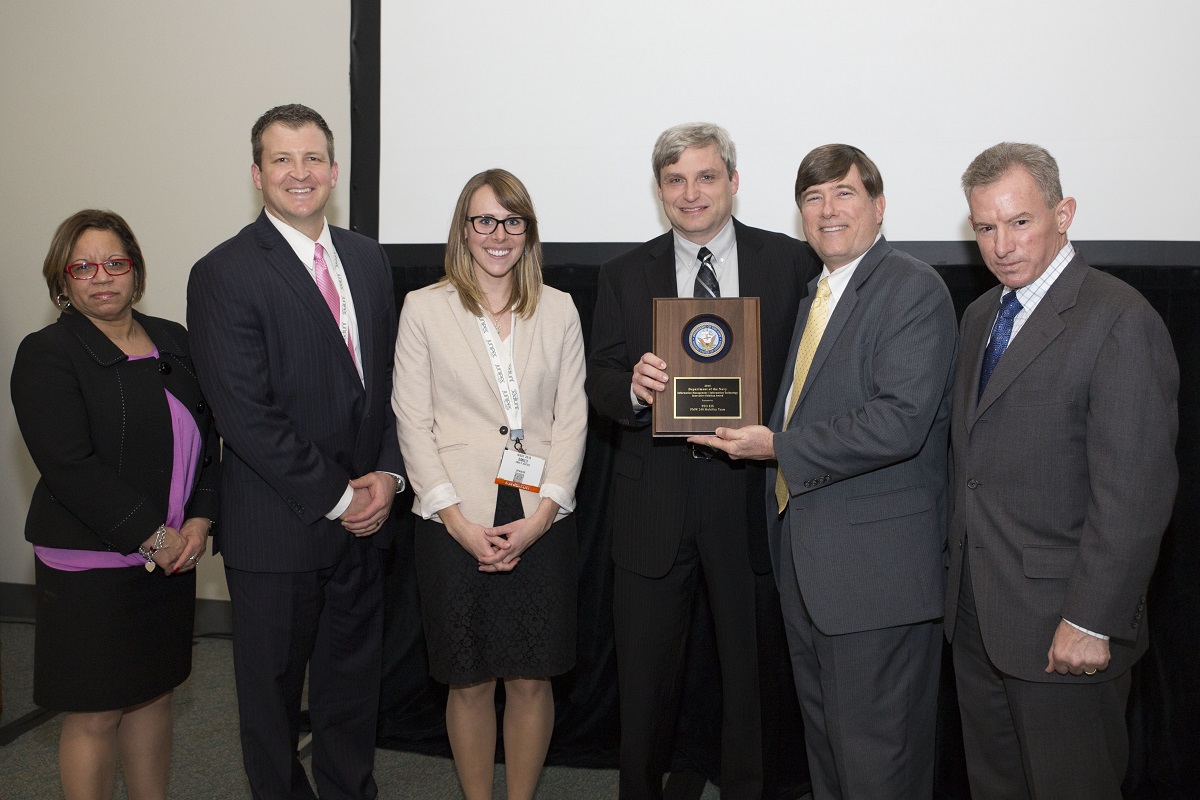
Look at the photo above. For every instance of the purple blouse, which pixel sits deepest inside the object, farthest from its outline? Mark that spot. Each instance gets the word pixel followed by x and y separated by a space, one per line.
pixel 183 473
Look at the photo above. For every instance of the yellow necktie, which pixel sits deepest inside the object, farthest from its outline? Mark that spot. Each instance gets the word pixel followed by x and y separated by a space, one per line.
pixel 818 316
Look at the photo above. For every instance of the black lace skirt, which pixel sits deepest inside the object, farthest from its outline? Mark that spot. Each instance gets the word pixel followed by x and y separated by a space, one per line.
pixel 483 625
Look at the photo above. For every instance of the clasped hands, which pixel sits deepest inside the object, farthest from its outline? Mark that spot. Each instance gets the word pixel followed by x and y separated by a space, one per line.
pixel 753 442
pixel 182 547
pixel 498 549
pixel 371 504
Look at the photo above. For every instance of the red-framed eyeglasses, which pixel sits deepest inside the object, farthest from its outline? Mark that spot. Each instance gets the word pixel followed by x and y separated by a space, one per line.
pixel 86 270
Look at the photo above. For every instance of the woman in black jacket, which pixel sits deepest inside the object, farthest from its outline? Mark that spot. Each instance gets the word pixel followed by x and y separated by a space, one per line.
pixel 109 406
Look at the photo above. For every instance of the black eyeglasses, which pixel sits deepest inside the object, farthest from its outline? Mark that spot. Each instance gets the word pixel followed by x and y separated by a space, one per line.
pixel 86 270
pixel 485 224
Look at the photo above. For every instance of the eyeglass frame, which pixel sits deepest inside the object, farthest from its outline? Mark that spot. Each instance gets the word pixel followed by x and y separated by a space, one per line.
pixel 499 223
pixel 99 265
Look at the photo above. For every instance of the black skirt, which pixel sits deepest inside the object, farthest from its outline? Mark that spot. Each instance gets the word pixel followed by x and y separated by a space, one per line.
pixel 485 625
pixel 110 638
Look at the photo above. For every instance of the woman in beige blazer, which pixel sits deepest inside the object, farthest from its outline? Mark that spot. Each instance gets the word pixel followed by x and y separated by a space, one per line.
pixel 488 386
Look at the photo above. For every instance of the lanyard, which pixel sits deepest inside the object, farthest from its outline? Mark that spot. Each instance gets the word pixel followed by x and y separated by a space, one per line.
pixel 344 320
pixel 506 378
pixel 343 316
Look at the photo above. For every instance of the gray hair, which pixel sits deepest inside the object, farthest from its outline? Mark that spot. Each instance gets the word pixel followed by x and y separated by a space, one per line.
pixel 673 141
pixel 992 164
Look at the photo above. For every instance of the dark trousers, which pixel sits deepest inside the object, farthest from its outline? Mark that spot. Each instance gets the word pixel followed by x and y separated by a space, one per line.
pixel 868 699
pixel 330 621
pixel 1028 739
pixel 652 617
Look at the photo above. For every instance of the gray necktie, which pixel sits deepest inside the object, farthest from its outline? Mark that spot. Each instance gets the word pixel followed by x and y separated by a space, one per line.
pixel 706 279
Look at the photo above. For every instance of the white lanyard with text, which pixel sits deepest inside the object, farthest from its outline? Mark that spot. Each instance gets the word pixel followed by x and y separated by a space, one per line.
pixel 517 468
pixel 344 311
pixel 344 315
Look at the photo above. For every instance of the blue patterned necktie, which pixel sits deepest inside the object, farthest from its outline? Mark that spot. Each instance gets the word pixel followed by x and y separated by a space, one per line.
pixel 1001 333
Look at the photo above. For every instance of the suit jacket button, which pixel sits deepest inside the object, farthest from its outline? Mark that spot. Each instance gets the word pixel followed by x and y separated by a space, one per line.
pixel 201 407
pixel 504 429
pixel 207 460
pixel 164 368
pixel 1133 624
pixel 971 484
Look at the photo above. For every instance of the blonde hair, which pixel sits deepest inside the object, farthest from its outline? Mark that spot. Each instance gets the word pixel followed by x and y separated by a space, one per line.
pixel 527 274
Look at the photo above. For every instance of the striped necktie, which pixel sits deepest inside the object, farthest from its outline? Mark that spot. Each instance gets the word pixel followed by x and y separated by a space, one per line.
pixel 706 279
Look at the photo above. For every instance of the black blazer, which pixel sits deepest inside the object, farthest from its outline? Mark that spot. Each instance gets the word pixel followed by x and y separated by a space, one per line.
pixel 298 423
pixel 99 429
pixel 649 487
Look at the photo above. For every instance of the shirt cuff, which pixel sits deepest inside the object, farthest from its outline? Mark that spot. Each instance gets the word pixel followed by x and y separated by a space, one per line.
pixel 400 484
pixel 638 405
pixel 437 498
pixel 565 499
pixel 342 504
pixel 1085 630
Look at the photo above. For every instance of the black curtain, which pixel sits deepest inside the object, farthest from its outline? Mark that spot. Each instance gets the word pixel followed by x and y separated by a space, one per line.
pixel 1164 711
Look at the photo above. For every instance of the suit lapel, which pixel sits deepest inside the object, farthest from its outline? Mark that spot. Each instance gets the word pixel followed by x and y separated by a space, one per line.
pixel 789 368
pixel 468 327
pixel 837 321
pixel 1043 326
pixel 752 277
pixel 972 347
pixel 355 277
pixel 522 341
pixel 295 277
pixel 660 271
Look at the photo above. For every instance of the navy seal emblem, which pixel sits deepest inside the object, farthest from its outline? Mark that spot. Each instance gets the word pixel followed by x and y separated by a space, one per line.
pixel 706 338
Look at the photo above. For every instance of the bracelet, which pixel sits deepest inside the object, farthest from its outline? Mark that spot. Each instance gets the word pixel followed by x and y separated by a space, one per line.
pixel 160 539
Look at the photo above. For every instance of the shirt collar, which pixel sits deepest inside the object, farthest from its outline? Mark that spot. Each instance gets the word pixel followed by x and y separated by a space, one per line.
pixel 841 275
pixel 303 246
pixel 1031 294
pixel 720 246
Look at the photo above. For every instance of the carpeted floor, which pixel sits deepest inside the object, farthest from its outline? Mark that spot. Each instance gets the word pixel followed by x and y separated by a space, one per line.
pixel 207 758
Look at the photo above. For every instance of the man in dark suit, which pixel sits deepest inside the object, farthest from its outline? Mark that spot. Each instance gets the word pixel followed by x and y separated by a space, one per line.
pixel 293 327
pixel 1063 446
pixel 681 512
pixel 859 495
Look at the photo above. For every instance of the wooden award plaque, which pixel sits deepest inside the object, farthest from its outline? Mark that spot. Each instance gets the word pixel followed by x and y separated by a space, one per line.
pixel 712 349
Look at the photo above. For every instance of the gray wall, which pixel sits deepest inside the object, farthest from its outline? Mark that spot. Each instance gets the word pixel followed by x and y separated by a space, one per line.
pixel 144 108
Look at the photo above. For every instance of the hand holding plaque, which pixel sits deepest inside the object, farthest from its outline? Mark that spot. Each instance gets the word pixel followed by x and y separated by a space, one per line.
pixel 711 346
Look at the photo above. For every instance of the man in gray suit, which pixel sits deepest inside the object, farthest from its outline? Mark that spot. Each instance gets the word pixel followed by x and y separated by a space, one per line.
pixel 858 498
pixel 1063 445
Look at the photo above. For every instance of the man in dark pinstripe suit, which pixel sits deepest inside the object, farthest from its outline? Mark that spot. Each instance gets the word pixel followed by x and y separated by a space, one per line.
pixel 679 513
pixel 293 327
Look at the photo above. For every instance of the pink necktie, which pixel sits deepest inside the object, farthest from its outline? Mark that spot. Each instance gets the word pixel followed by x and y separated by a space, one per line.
pixel 325 284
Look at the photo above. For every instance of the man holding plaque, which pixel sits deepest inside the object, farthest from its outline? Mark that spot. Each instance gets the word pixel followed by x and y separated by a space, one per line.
pixel 682 512
pixel 857 477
